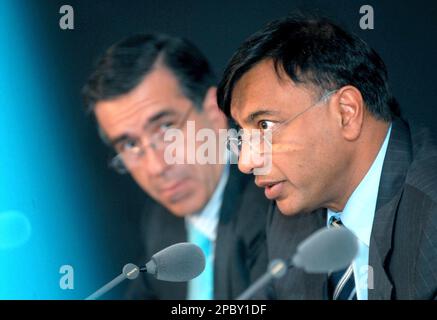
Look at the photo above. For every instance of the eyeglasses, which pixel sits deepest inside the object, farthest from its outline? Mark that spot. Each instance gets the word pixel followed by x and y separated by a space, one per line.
pixel 234 143
pixel 131 150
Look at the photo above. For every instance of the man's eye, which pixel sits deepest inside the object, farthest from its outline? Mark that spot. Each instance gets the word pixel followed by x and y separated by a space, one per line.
pixel 265 124
pixel 127 145
pixel 167 125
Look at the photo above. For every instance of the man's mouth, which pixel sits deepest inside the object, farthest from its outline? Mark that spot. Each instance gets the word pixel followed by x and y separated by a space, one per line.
pixel 174 191
pixel 272 189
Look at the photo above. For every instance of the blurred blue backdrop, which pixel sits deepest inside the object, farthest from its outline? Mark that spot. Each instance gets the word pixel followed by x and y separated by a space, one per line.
pixel 53 207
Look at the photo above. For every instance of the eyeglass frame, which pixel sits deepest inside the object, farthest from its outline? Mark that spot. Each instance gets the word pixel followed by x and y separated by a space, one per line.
pixel 324 98
pixel 117 163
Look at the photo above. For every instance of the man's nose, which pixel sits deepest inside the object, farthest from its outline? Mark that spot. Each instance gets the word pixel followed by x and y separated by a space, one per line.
pixel 154 162
pixel 249 158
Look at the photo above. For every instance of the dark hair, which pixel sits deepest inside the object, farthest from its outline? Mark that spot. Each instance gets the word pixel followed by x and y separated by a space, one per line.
pixel 313 51
pixel 125 64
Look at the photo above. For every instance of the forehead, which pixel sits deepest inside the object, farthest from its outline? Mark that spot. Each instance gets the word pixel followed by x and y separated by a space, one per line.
pixel 261 88
pixel 158 91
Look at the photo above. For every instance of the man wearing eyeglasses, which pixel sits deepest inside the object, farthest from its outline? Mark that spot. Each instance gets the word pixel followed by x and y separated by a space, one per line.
pixel 144 87
pixel 341 156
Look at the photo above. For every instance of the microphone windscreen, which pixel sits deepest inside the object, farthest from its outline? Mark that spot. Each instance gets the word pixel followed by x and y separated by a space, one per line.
pixel 177 263
pixel 326 250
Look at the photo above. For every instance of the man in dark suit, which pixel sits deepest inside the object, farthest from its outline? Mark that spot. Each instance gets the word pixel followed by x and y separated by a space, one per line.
pixel 240 255
pixel 154 99
pixel 340 156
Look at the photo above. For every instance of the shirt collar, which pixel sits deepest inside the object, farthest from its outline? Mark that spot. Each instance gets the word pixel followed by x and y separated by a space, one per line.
pixel 206 221
pixel 359 210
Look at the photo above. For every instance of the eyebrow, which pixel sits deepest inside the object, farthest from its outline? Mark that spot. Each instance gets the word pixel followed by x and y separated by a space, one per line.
pixel 254 115
pixel 154 118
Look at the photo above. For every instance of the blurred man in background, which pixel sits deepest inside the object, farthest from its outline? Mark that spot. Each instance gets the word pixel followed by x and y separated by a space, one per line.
pixel 141 88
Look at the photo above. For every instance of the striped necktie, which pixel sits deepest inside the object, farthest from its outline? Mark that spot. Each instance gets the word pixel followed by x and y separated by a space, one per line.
pixel 341 284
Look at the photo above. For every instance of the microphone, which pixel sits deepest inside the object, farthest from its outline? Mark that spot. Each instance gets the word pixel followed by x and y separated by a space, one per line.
pixel 130 271
pixel 177 263
pixel 276 270
pixel 313 255
pixel 316 253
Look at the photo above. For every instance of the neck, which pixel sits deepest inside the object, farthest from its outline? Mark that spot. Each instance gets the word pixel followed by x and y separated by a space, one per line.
pixel 363 155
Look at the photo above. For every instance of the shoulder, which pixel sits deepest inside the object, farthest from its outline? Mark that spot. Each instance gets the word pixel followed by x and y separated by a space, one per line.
pixel 154 215
pixel 160 228
pixel 422 174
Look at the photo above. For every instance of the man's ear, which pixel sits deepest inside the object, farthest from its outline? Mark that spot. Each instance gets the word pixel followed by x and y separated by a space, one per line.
pixel 212 111
pixel 350 109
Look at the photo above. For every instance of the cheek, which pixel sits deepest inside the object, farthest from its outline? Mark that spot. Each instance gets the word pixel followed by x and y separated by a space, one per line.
pixel 141 178
pixel 301 161
pixel 203 177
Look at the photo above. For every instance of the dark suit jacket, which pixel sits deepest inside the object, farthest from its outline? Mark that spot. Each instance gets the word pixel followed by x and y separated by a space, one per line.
pixel 403 244
pixel 240 249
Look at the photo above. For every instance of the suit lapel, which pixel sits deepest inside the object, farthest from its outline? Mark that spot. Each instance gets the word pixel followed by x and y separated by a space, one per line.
pixel 230 206
pixel 284 235
pixel 395 167
pixel 380 245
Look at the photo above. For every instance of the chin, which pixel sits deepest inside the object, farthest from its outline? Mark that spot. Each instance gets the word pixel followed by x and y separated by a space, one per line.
pixel 288 209
pixel 180 212
pixel 285 209
pixel 289 206
pixel 186 207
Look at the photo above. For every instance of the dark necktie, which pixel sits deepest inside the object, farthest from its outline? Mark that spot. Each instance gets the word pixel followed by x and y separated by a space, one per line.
pixel 341 284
